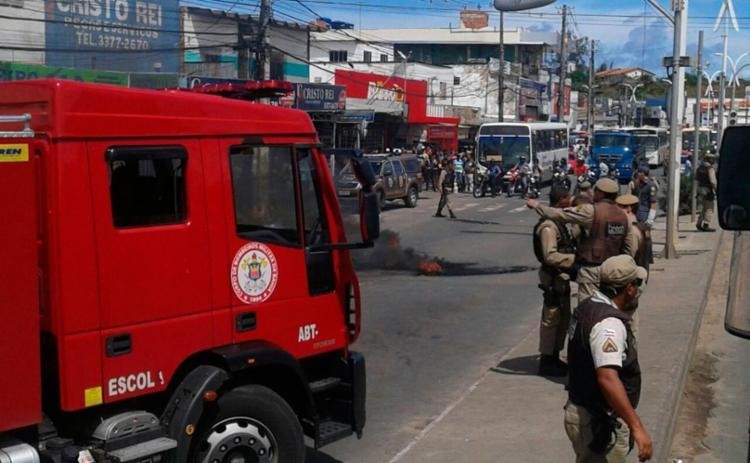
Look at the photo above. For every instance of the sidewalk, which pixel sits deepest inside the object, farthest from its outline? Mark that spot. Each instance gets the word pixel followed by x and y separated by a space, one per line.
pixel 512 415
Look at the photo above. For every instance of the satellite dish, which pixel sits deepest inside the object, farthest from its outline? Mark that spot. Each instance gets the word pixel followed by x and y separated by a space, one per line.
pixel 520 5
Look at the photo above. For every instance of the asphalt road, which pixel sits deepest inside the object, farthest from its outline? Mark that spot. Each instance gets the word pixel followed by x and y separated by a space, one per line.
pixel 427 339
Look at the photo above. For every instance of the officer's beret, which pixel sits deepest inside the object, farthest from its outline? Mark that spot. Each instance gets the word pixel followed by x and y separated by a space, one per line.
pixel 627 200
pixel 607 185
pixel 620 270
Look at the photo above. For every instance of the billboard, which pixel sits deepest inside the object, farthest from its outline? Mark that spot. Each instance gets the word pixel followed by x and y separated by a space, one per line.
pixel 116 35
pixel 19 71
pixel 320 97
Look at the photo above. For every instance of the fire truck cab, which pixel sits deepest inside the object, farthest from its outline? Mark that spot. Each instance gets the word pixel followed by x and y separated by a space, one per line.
pixel 175 280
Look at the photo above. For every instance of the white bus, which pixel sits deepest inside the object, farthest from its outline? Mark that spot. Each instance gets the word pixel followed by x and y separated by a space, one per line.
pixel 652 143
pixel 506 142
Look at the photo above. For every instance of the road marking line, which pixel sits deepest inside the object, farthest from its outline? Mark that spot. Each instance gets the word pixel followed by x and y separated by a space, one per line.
pixel 493 208
pixel 518 209
pixel 400 455
pixel 466 206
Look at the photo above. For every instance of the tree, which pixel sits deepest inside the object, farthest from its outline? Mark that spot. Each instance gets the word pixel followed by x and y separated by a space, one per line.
pixel 602 67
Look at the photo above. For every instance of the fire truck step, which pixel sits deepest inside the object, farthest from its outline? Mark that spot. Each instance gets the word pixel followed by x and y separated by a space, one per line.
pixel 324 384
pixel 331 431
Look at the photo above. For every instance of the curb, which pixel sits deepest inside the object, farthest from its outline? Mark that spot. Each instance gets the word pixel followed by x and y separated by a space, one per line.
pixel 662 452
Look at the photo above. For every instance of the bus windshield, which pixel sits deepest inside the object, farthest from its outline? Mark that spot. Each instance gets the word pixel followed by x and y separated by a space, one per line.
pixel 688 140
pixel 610 140
pixel 507 148
pixel 647 143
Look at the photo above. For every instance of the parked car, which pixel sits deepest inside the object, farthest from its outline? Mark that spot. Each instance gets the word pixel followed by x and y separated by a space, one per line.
pixel 413 170
pixel 394 183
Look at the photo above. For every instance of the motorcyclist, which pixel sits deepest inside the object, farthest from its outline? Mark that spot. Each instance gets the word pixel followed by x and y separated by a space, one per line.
pixel 496 175
pixel 580 168
pixel 524 170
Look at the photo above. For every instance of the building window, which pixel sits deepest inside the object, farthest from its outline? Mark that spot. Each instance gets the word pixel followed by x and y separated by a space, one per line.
pixel 367 57
pixel 338 56
pixel 383 58
pixel 147 185
pixel 443 89
pixel 456 80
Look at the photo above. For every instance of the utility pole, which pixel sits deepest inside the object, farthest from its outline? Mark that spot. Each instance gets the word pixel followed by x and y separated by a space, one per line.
pixel 723 86
pixel 680 8
pixel 263 58
pixel 501 74
pixel 563 66
pixel 590 105
pixel 697 124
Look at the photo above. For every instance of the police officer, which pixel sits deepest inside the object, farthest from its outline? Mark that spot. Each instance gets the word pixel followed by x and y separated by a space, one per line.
pixel 605 378
pixel 445 185
pixel 606 228
pixel 705 175
pixel 646 190
pixel 643 254
pixel 458 167
pixel 554 247
pixel 585 194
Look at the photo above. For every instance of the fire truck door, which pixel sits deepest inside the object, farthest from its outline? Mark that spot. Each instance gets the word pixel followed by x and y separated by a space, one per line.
pixel 20 390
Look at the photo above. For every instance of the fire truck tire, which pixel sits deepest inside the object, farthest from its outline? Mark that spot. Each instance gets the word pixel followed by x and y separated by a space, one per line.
pixel 412 196
pixel 250 423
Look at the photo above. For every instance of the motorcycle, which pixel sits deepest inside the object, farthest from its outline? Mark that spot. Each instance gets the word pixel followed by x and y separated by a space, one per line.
pixel 513 180
pixel 560 179
pixel 481 182
pixel 589 177
pixel 534 186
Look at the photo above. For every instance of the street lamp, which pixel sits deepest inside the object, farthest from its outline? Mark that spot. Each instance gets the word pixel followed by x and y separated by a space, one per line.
pixel 633 99
pixel 710 92
pixel 735 77
pixel 404 106
pixel 733 81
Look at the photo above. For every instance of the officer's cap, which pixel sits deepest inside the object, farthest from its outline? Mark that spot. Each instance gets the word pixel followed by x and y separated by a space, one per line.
pixel 643 169
pixel 585 186
pixel 620 270
pixel 627 200
pixel 607 185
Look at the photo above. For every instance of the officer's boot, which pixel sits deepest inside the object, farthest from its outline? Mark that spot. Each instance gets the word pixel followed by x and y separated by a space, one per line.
pixel 450 211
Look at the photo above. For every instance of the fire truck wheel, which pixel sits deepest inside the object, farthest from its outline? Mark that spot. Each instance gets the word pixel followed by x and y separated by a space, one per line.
pixel 412 196
pixel 250 424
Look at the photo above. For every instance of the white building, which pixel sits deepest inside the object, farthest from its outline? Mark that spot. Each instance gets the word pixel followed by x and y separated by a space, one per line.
pixel 27 31
pixel 461 64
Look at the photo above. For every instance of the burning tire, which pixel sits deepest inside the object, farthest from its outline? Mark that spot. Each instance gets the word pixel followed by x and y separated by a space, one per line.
pixel 250 423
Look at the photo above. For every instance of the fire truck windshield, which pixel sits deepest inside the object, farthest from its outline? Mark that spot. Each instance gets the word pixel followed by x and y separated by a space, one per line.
pixel 264 196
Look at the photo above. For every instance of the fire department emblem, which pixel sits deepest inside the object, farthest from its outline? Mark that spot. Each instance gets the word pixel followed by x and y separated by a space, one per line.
pixel 254 273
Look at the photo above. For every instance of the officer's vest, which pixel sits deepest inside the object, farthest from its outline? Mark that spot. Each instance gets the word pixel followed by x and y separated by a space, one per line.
pixel 607 236
pixel 583 388
pixel 565 243
pixel 448 181
pixel 701 176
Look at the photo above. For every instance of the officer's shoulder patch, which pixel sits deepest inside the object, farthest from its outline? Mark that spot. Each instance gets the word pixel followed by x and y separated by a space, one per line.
pixel 609 346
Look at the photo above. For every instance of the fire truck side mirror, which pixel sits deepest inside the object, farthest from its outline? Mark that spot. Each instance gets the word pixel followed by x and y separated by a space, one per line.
pixel 369 202
pixel 733 171
pixel 369 216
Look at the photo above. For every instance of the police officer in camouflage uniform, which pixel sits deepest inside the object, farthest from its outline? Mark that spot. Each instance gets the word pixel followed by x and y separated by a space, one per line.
pixel 606 230
pixel 605 378
pixel 705 175
pixel 445 186
pixel 554 247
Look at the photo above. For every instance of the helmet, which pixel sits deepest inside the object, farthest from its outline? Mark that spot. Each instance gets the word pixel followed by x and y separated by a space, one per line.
pixel 580 158
pixel 522 158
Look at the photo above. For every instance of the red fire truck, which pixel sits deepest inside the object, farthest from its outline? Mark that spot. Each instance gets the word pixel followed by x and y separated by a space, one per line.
pixel 175 280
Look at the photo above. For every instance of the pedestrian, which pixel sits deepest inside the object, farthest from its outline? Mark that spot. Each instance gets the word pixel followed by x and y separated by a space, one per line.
pixel 435 173
pixel 470 167
pixel 646 191
pixel 554 248
pixel 458 167
pixel 426 167
pixel 604 375
pixel 705 175
pixel 605 227
pixel 445 184
pixel 643 254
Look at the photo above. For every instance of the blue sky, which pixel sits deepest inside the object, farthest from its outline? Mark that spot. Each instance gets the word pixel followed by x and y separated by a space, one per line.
pixel 618 26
